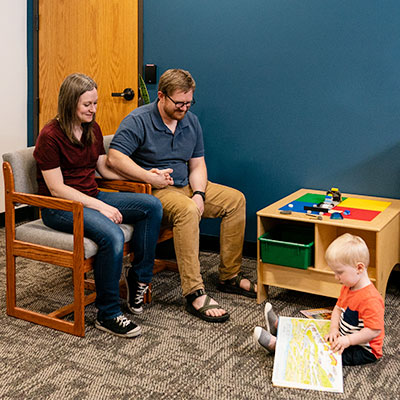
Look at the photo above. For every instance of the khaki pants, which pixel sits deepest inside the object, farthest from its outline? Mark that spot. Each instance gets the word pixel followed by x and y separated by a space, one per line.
pixel 181 212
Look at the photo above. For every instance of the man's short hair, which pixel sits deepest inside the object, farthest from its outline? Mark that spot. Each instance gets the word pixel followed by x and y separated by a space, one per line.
pixel 347 249
pixel 176 79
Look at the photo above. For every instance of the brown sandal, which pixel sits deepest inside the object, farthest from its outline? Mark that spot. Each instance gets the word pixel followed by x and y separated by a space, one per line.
pixel 233 286
pixel 201 312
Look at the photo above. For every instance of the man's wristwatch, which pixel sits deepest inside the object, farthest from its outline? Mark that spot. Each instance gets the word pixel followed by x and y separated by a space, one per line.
pixel 202 194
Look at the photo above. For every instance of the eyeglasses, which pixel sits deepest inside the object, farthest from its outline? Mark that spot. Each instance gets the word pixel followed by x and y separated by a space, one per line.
pixel 180 104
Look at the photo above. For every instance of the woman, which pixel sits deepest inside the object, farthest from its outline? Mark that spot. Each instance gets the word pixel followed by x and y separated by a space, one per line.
pixel 68 151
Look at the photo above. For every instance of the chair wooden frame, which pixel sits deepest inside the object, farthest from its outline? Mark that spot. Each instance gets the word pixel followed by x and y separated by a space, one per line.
pixel 70 259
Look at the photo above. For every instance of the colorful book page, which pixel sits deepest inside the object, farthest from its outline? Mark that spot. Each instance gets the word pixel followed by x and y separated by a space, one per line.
pixel 303 359
pixel 357 214
pixel 364 204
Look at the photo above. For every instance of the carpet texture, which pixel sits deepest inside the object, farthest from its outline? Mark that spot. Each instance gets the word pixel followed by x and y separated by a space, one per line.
pixel 178 356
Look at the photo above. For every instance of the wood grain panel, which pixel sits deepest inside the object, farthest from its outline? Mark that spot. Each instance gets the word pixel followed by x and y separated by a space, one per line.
pixel 95 37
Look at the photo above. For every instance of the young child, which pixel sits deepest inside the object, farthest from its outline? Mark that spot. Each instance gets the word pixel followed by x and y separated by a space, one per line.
pixel 357 325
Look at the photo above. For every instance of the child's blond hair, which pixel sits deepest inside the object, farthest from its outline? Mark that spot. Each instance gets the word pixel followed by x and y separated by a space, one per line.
pixel 347 249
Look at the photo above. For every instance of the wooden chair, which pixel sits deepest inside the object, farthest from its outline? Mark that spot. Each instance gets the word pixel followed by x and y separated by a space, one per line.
pixel 35 241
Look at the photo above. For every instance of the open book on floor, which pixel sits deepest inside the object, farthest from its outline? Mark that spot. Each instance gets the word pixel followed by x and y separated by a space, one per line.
pixel 303 358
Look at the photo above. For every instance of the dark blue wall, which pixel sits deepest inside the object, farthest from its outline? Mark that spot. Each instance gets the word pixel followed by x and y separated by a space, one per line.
pixel 290 93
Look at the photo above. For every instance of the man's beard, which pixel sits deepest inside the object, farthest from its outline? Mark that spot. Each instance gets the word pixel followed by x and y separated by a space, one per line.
pixel 176 115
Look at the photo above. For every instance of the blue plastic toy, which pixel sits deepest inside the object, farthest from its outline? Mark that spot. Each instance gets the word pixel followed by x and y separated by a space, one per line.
pixel 336 215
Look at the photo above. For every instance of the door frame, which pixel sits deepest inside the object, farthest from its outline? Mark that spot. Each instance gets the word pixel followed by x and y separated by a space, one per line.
pixel 33 64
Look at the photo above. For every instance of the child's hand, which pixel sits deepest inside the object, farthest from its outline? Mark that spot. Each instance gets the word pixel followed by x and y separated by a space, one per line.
pixel 340 343
pixel 332 335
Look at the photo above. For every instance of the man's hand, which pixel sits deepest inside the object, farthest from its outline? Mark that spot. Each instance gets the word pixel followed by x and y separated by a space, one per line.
pixel 199 203
pixel 161 178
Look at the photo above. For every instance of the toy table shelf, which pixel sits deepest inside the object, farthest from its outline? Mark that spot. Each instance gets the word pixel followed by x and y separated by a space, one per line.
pixel 382 236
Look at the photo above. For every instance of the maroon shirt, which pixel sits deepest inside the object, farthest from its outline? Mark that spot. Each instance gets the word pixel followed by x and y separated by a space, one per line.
pixel 78 164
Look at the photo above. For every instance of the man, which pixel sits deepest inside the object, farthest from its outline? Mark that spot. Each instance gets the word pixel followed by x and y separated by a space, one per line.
pixel 162 144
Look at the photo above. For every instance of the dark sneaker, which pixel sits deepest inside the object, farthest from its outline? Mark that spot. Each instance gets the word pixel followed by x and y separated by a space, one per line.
pixel 119 326
pixel 135 292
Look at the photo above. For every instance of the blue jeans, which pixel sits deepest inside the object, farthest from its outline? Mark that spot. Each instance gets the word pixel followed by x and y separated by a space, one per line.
pixel 142 210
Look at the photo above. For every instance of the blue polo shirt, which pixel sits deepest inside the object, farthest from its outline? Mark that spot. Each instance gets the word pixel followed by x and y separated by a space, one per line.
pixel 143 136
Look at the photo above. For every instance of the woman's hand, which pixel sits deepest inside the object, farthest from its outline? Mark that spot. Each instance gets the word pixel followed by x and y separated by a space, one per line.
pixel 111 213
pixel 55 182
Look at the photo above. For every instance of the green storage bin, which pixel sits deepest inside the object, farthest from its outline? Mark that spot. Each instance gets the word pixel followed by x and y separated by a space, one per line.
pixel 288 245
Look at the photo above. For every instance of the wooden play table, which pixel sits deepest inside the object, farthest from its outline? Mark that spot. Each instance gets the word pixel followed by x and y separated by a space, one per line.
pixel 381 235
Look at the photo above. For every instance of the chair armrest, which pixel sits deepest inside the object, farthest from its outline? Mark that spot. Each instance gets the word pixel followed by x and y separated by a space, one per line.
pixel 44 201
pixel 52 202
pixel 49 202
pixel 124 186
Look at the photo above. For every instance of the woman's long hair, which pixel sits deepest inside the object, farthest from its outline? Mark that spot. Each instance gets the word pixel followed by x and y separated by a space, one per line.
pixel 71 90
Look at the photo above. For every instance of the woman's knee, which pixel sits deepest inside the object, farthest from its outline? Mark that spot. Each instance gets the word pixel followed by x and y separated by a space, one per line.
pixel 113 240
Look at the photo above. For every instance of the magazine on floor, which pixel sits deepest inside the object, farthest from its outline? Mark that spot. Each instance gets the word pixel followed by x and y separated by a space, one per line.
pixel 318 313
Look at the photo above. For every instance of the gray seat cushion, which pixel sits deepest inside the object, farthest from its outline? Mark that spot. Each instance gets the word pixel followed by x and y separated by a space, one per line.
pixel 38 233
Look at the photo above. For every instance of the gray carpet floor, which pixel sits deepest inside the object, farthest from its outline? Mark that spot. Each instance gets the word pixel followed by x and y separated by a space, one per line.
pixel 178 356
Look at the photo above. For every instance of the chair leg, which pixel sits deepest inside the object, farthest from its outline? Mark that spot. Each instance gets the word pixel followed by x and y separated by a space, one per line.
pixel 148 297
pixel 79 302
pixel 11 285
pixel 51 320
pixel 122 289
pixel 161 265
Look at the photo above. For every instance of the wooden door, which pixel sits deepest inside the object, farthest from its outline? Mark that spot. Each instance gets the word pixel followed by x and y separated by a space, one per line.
pixel 99 38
